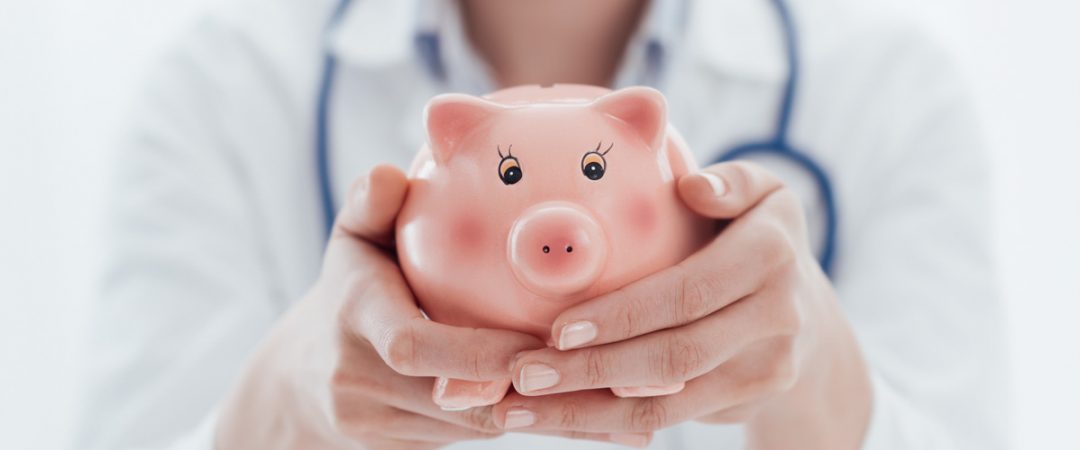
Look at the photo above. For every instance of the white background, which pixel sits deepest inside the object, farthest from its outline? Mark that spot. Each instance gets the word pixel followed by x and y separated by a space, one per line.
pixel 66 72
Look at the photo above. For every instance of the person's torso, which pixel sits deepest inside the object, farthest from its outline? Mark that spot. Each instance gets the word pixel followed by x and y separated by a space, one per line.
pixel 718 98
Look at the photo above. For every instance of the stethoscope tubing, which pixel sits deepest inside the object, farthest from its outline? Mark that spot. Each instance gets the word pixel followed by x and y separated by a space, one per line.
pixel 779 145
pixel 322 120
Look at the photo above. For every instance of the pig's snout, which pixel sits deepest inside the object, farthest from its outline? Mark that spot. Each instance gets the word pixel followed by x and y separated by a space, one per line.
pixel 557 249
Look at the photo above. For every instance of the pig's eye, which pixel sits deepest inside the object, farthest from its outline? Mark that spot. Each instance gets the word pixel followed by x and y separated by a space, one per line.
pixel 593 165
pixel 509 170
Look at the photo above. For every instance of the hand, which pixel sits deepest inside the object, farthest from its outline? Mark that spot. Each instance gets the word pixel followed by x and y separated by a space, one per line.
pixel 351 362
pixel 750 324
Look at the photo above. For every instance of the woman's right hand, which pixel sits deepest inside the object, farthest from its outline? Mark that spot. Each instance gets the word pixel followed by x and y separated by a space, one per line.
pixel 351 363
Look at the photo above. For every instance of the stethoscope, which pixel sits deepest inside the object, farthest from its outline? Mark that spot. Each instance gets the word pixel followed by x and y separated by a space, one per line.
pixel 776 145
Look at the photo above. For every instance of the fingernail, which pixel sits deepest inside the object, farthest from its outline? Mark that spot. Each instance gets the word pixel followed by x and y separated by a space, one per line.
pixel 718 185
pixel 442 398
pixel 460 395
pixel 538 376
pixel 519 418
pixel 576 334
pixel 629 439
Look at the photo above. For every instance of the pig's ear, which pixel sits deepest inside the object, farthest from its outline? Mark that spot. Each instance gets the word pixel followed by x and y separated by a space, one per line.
pixel 449 117
pixel 644 109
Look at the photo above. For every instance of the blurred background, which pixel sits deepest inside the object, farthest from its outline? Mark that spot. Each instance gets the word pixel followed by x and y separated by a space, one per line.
pixel 67 68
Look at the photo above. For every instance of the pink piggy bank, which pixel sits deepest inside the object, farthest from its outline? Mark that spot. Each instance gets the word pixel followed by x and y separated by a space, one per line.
pixel 532 199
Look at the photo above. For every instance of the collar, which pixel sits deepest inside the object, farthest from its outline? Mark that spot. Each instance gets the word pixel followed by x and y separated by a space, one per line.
pixel 736 37
pixel 375 33
pixel 742 38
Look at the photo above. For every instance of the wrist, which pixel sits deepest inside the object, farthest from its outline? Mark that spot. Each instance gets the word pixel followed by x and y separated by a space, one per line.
pixel 829 406
pixel 273 404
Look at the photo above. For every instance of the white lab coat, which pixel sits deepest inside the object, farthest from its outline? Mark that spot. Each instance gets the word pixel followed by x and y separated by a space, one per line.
pixel 215 225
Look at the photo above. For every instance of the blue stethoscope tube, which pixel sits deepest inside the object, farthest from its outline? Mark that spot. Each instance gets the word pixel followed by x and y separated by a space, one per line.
pixel 777 145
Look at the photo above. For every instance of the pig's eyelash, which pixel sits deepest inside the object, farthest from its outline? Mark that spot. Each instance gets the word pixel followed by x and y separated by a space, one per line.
pixel 605 152
pixel 508 154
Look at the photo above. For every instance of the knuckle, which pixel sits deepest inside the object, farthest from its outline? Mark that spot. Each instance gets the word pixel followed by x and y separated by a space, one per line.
pixel 790 318
pixel 784 367
pixel 648 414
pixel 775 246
pixel 400 347
pixel 596 367
pixel 628 315
pixel 476 360
pixel 739 175
pixel 695 298
pixel 476 365
pixel 354 288
pixel 571 415
pixel 679 359
pixel 480 419
pixel 788 206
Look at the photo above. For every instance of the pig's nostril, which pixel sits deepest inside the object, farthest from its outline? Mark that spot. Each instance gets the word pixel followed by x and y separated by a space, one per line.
pixel 569 249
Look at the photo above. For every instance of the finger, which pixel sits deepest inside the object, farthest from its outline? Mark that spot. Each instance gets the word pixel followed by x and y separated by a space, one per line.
pixel 636 440
pixel 382 311
pixel 733 415
pixel 596 411
pixel 366 382
pixel 372 205
pixel 663 358
pixel 745 380
pixel 411 426
pixel 727 190
pixel 415 346
pixel 396 444
pixel 738 262
pixel 648 391
pixel 380 307
pixel 396 424
pixel 456 395
pixel 731 267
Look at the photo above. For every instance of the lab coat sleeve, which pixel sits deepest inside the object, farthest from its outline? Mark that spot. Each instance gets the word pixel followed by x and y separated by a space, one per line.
pixel 916 274
pixel 186 293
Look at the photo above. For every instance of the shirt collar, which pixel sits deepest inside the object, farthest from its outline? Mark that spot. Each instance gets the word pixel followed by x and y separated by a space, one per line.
pixel 375 33
pixel 737 37
pixel 742 38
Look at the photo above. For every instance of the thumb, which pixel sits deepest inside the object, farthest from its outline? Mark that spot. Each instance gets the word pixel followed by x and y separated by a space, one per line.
pixel 372 205
pixel 727 190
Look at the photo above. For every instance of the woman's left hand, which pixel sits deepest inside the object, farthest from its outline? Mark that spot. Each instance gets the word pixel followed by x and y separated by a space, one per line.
pixel 750 324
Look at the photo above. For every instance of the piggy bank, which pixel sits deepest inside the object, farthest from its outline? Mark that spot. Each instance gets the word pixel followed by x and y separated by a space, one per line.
pixel 531 199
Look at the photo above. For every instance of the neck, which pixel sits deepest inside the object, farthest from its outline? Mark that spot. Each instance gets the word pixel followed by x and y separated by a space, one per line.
pixel 551 41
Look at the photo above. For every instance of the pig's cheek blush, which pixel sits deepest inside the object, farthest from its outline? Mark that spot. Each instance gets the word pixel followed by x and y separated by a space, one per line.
pixel 467 235
pixel 642 214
